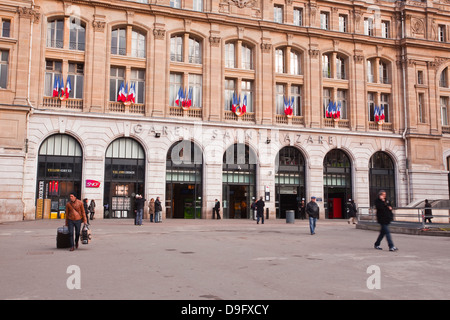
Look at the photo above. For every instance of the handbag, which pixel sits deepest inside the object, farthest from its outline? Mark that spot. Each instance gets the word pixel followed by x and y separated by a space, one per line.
pixel 86 235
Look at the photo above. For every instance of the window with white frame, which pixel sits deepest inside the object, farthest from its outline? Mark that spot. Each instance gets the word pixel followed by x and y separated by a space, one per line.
pixel 443 79
pixel 6 27
pixel 230 89
pixel 441 33
pixel 53 71
pixel 175 83
pixel 324 20
pixel 280 96
pixel 76 76
pixel 176 48
pixel 55 33
pixel 195 84
pixel 230 55
pixel 383 72
pixel 368 26
pixel 77 39
pixel 138 45
pixel 371 105
pixel 421 107
pixel 340 68
pixel 4 62
pixel 175 3
pixel 370 72
pixel 444 110
pixel 326 96
pixel 278 14
pixel 195 51
pixel 116 79
pixel 138 81
pixel 384 97
pixel 326 66
pixel 119 41
pixel 295 63
pixel 342 99
pixel 296 93
pixel 247 90
pixel 298 17
pixel 246 57
pixel 279 61
pixel 385 29
pixel 198 5
pixel 343 23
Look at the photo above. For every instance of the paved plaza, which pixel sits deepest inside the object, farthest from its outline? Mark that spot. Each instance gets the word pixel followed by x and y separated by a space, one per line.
pixel 220 260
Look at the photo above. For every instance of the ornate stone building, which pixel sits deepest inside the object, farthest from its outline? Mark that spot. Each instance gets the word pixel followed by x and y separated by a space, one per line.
pixel 314 58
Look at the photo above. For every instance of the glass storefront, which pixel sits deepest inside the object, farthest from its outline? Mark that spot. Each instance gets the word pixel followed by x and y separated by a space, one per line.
pixel 289 181
pixel 382 177
pixel 124 177
pixel 60 161
pixel 238 182
pixel 184 165
pixel 337 183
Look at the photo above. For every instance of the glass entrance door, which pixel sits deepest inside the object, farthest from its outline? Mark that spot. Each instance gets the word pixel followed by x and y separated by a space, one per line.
pixel 121 200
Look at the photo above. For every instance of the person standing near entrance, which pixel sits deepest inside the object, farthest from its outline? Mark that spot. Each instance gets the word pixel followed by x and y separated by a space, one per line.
pixel 428 213
pixel 216 209
pixel 92 209
pixel 260 210
pixel 151 209
pixel 301 209
pixel 384 218
pixel 158 210
pixel 86 209
pixel 75 214
pixel 312 209
pixel 139 204
pixel 351 209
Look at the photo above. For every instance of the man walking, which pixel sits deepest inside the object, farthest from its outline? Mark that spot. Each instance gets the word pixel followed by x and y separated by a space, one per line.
pixel 216 209
pixel 260 210
pixel 312 209
pixel 75 214
pixel 384 218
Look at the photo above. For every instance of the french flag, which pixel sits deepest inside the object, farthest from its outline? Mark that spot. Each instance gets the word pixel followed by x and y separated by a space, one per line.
pixel 382 113
pixel 68 87
pixel 56 87
pixel 329 110
pixel 179 96
pixel 376 114
pixel 338 110
pixel 244 105
pixel 61 88
pixel 121 96
pixel 132 94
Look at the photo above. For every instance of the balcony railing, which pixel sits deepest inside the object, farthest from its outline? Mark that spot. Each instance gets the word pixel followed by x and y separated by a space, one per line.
pixel 445 129
pixel 387 126
pixel 119 107
pixel 190 113
pixel 72 104
pixel 246 117
pixel 295 120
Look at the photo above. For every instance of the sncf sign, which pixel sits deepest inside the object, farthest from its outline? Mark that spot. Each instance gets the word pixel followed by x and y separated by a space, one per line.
pixel 92 184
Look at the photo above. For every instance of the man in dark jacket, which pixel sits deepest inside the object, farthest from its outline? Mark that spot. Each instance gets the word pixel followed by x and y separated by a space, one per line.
pixel 312 209
pixel 158 210
pixel 384 218
pixel 260 210
pixel 216 209
pixel 139 203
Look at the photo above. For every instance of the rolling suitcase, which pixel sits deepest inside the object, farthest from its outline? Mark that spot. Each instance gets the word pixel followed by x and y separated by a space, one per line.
pixel 62 237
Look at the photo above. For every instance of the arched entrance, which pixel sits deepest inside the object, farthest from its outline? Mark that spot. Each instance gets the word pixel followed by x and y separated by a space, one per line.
pixel 238 181
pixel 124 177
pixel 60 162
pixel 337 183
pixel 184 166
pixel 289 181
pixel 382 177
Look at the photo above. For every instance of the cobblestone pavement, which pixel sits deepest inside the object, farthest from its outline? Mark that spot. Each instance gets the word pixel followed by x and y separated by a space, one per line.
pixel 220 259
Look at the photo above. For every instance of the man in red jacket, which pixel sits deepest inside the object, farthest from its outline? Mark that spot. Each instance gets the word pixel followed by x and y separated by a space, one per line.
pixel 74 216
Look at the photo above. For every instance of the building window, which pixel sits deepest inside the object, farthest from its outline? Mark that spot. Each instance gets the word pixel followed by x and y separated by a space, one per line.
pixel 280 95
pixel 76 76
pixel 138 81
pixel 420 77
pixel 384 103
pixel 368 26
pixel 176 82
pixel 137 44
pixel 444 111
pixel 421 107
pixel 6 28
pixel 295 63
pixel 53 71
pixel 343 23
pixel 441 33
pixel 246 58
pixel 385 29
pixel 176 49
pixel 296 93
pixel 198 5
pixel 278 14
pixel 298 17
pixel 77 35
pixel 195 84
pixel 230 89
pixel 117 78
pixel 55 34
pixel 342 99
pixel 371 105
pixel 4 58
pixel 326 66
pixel 175 4
pixel 279 60
pixel 230 55
pixel 324 20
pixel 340 68
pixel 247 90
pixel 119 41
pixel 327 93
pixel 370 72
pixel 443 80
pixel 383 73
pixel 195 51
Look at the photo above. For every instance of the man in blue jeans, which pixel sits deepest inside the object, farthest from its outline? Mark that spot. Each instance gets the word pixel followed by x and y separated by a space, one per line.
pixel 139 203
pixel 312 209
pixel 384 218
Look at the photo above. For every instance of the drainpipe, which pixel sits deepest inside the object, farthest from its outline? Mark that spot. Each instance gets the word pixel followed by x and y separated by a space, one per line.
pixel 405 111
pixel 29 112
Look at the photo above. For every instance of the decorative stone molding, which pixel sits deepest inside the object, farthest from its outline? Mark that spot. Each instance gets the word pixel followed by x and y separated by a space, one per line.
pixel 243 3
pixel 266 47
pixel 159 34
pixel 214 41
pixel 99 26
pixel 417 26
pixel 358 56
pixel 29 13
pixel 438 61
pixel 314 53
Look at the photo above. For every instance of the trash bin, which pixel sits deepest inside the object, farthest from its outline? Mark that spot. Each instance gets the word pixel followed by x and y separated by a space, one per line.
pixel 290 216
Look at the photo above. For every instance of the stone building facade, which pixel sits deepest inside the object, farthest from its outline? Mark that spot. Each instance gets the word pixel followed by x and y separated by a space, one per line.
pixel 360 56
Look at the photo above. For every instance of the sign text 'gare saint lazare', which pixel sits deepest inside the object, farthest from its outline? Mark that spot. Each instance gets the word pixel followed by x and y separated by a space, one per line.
pixel 262 135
